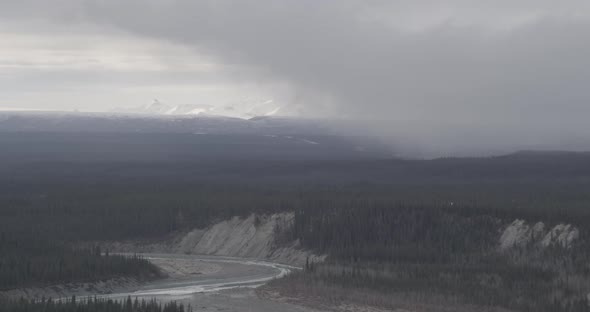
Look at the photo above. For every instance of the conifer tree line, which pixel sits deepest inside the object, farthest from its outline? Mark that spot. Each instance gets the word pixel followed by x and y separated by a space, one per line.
pixel 99 212
pixel 433 238
pixel 356 223
pixel 92 305
pixel 377 249
pixel 38 233
pixel 39 262
pixel 393 232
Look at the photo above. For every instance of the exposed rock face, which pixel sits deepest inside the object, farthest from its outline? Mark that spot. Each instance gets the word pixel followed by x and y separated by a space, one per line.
pixel 520 234
pixel 251 237
pixel 562 235
pixel 235 237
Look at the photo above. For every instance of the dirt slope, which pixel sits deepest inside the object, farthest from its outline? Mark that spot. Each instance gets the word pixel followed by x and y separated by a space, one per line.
pixel 250 237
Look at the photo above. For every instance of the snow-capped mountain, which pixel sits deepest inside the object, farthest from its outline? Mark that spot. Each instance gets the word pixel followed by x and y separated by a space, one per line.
pixel 246 108
pixel 160 108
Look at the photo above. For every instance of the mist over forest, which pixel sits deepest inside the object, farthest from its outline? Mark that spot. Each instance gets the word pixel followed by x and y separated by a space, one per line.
pixel 294 156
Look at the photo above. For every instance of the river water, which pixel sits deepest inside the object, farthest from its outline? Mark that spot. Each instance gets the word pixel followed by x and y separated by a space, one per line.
pixel 229 288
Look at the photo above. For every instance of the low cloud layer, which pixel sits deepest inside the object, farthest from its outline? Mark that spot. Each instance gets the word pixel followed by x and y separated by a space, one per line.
pixel 513 73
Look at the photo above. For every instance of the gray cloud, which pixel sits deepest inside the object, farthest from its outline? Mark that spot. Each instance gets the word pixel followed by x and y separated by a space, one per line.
pixel 505 71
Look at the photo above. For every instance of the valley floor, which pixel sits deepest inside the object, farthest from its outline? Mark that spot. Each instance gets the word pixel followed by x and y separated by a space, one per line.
pixel 206 283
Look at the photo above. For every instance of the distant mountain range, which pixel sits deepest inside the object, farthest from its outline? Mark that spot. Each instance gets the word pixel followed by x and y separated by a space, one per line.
pixel 344 137
pixel 54 121
pixel 244 109
pixel 64 136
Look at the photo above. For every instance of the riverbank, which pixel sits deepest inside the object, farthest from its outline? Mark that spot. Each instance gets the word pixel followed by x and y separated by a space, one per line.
pixel 170 269
pixel 108 286
pixel 253 237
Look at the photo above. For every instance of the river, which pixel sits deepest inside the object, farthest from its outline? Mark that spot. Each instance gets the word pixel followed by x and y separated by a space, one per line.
pixel 211 283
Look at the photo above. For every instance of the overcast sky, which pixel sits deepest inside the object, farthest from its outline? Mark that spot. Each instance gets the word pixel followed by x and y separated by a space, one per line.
pixel 522 65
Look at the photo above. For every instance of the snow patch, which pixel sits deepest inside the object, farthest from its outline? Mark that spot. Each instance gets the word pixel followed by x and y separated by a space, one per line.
pixel 310 142
pixel 272 112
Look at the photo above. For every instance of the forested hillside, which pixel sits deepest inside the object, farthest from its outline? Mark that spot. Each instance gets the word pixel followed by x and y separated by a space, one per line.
pixel 418 229
pixel 390 254
pixel 30 261
pixel 91 305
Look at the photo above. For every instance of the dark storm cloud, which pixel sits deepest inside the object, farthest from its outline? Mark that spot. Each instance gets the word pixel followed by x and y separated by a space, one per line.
pixel 444 72
pixel 513 71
